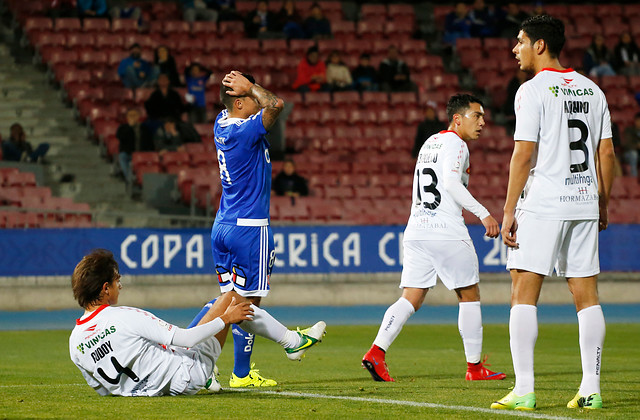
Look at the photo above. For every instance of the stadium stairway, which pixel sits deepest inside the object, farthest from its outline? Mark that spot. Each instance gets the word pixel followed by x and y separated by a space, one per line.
pixel 26 97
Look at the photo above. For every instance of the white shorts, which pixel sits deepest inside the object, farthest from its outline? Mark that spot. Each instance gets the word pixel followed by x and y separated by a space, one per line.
pixel 569 246
pixel 197 367
pixel 455 262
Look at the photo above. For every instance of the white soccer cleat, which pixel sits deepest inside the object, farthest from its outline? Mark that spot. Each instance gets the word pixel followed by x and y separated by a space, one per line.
pixel 213 385
pixel 310 337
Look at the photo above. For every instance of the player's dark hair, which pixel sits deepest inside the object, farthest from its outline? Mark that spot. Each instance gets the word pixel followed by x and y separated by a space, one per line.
pixel 547 28
pixel 91 273
pixel 225 98
pixel 458 104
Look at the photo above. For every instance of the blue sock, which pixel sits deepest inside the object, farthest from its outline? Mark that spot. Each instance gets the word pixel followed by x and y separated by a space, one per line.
pixel 242 349
pixel 202 313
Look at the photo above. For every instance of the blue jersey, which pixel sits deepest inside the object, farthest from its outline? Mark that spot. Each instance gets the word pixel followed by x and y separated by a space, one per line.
pixel 245 170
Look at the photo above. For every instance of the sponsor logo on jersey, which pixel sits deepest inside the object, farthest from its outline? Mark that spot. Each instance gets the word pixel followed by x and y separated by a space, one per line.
pixel 570 92
pixel 165 325
pixel 221 140
pixel 95 340
pixel 567 82
pixel 554 90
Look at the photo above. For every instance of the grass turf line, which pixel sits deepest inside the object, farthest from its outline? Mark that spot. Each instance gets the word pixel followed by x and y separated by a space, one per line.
pixel 38 380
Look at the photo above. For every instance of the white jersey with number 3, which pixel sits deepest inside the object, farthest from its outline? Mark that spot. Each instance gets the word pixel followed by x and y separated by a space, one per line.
pixel 435 214
pixel 125 351
pixel 567 115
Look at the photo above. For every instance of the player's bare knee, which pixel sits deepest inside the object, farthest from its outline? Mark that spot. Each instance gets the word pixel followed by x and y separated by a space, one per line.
pixel 469 293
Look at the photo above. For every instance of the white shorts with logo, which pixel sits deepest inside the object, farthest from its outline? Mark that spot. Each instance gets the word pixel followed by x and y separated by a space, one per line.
pixel 197 367
pixel 454 261
pixel 568 246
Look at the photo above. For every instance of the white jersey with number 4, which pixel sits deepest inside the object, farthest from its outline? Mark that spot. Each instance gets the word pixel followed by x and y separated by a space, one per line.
pixel 125 351
pixel 435 213
pixel 567 115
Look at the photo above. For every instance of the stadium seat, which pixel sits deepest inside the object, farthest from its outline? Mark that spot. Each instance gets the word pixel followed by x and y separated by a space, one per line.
pixel 293 212
pixel 374 98
pixel 105 128
pixel 173 159
pixel 343 29
pixel 325 46
pixel 204 29
pixel 299 47
pixel 20 179
pixel 10 196
pixel 229 28
pixel 68 25
pixel 399 30
pixel 399 11
pixel 96 25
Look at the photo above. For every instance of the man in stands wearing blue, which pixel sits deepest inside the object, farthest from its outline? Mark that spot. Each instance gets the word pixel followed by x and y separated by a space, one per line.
pixel 134 71
pixel 241 238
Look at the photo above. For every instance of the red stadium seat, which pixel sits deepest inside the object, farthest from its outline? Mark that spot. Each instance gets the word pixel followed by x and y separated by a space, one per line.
pixel 204 29
pixel 299 47
pixel 10 196
pixel 293 212
pixel 79 40
pixel 175 159
pixel 124 26
pixel 96 25
pixel 20 179
pixel 274 46
pixel 68 25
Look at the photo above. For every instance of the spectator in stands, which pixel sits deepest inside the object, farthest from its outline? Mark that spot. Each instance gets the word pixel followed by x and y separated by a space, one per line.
pixel 92 8
pixel 260 23
pixel 288 182
pixel 365 76
pixel 197 78
pixel 510 25
pixel 597 59
pixel 312 73
pixel 627 56
pixel 136 72
pixel 428 127
pixel 457 24
pixel 121 9
pixel 317 26
pixel 512 89
pixel 17 149
pixel 166 64
pixel 394 73
pixel 538 9
pixel 167 138
pixel 200 10
pixel 338 75
pixel 164 102
pixel 289 21
pixel 226 10
pixel 63 9
pixel 133 137
pixel 631 145
pixel 485 19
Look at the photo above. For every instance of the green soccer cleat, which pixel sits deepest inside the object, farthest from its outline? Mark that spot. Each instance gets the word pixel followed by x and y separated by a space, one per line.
pixel 512 401
pixel 592 402
pixel 310 337
pixel 253 379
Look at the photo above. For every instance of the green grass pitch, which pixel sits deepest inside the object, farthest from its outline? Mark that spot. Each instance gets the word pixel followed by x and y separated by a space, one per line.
pixel 38 380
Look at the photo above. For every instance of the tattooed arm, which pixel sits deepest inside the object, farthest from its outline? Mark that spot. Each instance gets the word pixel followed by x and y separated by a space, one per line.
pixel 271 104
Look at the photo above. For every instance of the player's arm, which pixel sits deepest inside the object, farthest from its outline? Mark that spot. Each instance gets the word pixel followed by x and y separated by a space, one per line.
pixel 271 104
pixel 235 312
pixel 605 167
pixel 519 169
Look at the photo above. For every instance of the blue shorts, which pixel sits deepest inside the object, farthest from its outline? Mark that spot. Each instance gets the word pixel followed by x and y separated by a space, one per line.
pixel 244 257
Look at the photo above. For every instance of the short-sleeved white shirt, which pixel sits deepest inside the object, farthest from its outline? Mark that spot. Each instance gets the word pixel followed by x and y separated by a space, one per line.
pixel 125 351
pixel 435 215
pixel 567 115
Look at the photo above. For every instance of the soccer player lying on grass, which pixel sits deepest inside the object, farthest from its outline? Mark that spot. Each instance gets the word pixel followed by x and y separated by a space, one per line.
pixel 130 352
pixel 436 240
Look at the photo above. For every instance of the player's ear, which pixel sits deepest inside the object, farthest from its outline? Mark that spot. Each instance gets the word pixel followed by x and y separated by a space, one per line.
pixel 540 46
pixel 237 103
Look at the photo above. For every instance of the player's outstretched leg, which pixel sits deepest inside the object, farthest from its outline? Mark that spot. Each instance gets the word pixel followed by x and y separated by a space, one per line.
pixel 470 327
pixel 295 343
pixel 392 323
pixel 244 374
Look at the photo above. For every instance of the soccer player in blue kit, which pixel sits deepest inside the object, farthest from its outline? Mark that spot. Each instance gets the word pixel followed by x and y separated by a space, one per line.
pixel 241 238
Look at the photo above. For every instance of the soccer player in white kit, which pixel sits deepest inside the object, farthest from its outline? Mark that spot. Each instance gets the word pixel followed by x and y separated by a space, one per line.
pixel 129 352
pixel 436 240
pixel 560 178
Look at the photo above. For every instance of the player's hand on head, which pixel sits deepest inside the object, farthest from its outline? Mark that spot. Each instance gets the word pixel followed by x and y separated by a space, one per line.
pixel 238 311
pixel 239 84
pixel 492 227
pixel 509 227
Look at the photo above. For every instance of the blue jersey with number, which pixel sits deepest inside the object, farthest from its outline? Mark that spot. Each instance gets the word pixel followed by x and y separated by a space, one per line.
pixel 245 169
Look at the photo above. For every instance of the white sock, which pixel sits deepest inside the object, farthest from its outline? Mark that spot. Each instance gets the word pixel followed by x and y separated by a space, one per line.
pixel 523 332
pixel 392 323
pixel 592 330
pixel 266 326
pixel 470 327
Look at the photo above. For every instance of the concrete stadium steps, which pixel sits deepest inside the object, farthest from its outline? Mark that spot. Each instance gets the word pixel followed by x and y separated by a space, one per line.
pixel 27 97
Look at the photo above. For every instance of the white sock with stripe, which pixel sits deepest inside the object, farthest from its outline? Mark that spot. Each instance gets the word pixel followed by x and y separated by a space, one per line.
pixel 470 327
pixel 592 330
pixel 266 326
pixel 523 333
pixel 392 323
